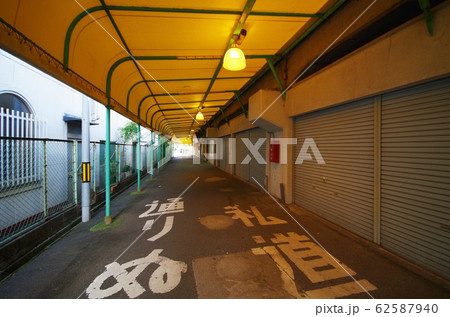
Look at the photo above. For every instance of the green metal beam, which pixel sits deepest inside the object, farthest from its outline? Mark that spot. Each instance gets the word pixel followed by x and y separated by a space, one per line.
pixel 425 6
pixel 136 58
pixel 108 218
pixel 162 58
pixel 176 80
pixel 176 109
pixel 240 103
pixel 164 124
pixel 247 9
pixel 277 78
pixel 223 114
pixel 174 94
pixel 138 158
pixel 184 102
pixel 91 10
pixel 122 39
pixel 312 28
pixel 173 122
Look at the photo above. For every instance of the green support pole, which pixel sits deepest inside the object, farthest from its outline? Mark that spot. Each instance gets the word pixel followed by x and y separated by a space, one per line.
pixel 138 158
pixel 225 117
pixel 240 103
pixel 425 6
pixel 151 154
pixel 108 218
pixel 277 78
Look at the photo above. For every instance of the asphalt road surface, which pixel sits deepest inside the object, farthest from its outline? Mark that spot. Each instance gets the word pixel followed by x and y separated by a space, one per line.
pixel 198 232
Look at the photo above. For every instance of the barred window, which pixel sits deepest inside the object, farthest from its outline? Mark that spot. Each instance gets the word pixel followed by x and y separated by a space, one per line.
pixel 19 152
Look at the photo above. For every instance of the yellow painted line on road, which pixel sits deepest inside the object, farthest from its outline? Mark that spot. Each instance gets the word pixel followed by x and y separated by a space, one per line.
pixel 341 290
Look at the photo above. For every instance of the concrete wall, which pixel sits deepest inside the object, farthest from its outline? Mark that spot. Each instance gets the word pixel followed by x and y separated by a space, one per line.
pixel 238 124
pixel 403 57
pixel 50 99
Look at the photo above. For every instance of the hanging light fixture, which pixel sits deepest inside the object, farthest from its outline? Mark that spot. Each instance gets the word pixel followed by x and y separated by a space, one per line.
pixel 199 116
pixel 234 58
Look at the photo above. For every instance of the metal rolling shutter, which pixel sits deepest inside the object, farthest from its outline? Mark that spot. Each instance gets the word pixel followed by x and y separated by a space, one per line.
pixel 241 152
pixel 228 166
pixel 415 174
pixel 253 168
pixel 223 162
pixel 344 136
pixel 256 170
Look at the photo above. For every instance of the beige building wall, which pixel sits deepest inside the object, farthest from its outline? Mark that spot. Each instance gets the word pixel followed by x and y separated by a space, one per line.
pixel 403 57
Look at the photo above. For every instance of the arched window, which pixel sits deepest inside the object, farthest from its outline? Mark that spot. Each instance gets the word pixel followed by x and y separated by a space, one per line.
pixel 19 157
pixel 13 102
pixel 16 117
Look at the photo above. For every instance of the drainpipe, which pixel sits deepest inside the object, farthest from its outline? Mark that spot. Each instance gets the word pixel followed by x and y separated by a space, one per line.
pixel 108 218
pixel 138 158
pixel 86 163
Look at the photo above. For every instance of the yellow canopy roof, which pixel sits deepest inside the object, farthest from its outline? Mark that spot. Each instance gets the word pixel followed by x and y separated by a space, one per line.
pixel 156 62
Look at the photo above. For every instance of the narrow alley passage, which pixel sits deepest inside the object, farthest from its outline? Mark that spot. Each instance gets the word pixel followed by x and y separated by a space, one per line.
pixel 197 232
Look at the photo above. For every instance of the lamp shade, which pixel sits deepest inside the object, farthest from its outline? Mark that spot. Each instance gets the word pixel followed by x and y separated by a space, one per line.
pixel 234 59
pixel 199 116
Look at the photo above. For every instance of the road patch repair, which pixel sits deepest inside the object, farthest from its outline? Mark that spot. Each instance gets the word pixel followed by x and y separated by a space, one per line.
pixel 266 272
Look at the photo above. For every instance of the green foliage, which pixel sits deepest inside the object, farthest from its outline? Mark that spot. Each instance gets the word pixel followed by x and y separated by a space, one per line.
pixel 102 226
pixel 128 132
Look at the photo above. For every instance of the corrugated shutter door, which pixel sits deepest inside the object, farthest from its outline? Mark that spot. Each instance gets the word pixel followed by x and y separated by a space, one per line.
pixel 241 153
pixel 415 181
pixel 253 168
pixel 256 170
pixel 223 160
pixel 342 189
pixel 227 154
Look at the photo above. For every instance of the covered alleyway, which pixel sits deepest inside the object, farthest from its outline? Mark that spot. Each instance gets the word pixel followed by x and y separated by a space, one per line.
pixel 354 94
pixel 197 232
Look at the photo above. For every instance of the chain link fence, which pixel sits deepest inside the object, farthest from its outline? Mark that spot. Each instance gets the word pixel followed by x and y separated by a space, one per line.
pixel 42 177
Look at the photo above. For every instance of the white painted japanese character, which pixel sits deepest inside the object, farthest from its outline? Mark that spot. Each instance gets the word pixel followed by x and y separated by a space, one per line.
pixel 164 279
pixel 150 210
pixel 167 227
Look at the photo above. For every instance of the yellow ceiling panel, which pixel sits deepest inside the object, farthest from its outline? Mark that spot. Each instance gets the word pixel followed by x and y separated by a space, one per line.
pixel 229 84
pixel 177 46
pixel 9 11
pixel 180 4
pixel 219 96
pixel 122 82
pixel 253 66
pixel 179 88
pixel 178 68
pixel 303 6
pixel 267 36
pixel 181 34
pixel 32 19
pixel 88 53
pixel 180 98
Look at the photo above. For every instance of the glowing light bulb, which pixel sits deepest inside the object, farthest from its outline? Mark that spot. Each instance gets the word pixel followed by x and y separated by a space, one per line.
pixel 234 59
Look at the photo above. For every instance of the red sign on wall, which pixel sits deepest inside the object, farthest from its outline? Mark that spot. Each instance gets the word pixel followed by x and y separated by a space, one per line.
pixel 274 156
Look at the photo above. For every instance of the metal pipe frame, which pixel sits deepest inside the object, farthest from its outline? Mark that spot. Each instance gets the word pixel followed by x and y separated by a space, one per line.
pixel 179 103
pixel 174 80
pixel 277 58
pixel 91 10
